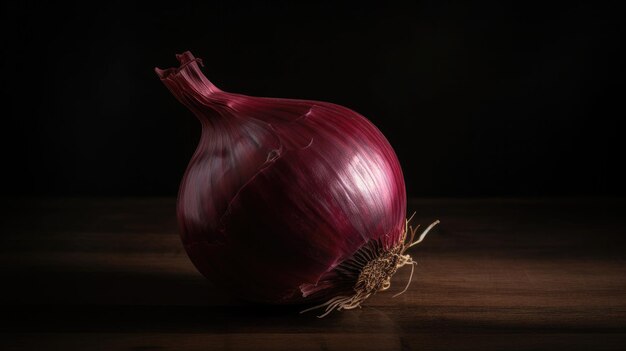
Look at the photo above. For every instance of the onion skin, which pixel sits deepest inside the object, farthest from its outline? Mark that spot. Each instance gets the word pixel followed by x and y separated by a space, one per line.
pixel 281 192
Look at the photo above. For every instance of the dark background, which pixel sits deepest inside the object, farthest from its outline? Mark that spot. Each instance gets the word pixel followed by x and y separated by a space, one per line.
pixel 481 99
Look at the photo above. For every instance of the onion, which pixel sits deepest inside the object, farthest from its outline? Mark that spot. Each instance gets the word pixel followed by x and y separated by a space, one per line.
pixel 289 201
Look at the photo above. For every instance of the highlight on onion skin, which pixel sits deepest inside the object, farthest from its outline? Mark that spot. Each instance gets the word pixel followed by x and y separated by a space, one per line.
pixel 288 201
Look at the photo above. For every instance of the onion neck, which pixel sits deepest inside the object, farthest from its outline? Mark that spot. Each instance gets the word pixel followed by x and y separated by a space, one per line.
pixel 193 89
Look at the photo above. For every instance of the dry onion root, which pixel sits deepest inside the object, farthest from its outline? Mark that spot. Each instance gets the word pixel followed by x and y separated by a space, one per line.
pixel 371 268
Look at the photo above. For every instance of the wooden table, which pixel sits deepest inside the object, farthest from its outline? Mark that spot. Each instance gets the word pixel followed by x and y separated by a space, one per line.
pixel 111 274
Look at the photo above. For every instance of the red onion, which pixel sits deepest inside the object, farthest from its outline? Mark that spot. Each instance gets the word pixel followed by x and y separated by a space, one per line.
pixel 288 201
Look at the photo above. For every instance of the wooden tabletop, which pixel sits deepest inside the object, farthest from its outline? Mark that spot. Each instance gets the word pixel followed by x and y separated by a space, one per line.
pixel 111 274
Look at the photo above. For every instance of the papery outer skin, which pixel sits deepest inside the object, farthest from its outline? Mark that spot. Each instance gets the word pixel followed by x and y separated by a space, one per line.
pixel 280 191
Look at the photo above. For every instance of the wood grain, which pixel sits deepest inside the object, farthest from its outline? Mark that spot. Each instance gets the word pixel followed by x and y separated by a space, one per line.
pixel 110 274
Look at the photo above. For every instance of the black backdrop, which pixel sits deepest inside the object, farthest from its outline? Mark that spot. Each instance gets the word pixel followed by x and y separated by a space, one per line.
pixel 482 99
